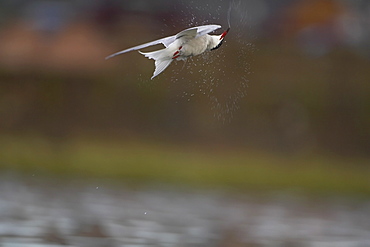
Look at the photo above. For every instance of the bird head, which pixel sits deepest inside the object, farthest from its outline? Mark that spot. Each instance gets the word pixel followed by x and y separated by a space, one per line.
pixel 219 39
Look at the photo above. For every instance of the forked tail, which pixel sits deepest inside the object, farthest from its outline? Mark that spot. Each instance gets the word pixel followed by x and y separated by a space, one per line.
pixel 162 58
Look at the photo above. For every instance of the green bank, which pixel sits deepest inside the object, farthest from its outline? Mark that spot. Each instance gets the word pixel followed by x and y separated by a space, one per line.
pixel 150 162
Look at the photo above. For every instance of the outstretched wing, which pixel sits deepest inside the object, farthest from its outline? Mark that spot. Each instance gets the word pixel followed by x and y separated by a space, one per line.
pixel 165 41
pixel 187 34
pixel 205 29
pixel 193 32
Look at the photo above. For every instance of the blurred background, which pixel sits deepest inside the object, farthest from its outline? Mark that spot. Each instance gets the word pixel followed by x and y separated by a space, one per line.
pixel 283 105
pixel 305 64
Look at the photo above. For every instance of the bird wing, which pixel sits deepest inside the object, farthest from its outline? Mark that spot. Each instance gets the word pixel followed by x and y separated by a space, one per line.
pixel 205 29
pixel 165 41
pixel 187 34
pixel 193 32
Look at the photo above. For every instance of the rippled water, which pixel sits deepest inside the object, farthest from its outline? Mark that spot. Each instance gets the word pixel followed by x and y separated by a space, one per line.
pixel 42 212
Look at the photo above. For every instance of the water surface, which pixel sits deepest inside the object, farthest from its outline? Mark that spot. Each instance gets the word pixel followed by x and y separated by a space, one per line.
pixel 44 212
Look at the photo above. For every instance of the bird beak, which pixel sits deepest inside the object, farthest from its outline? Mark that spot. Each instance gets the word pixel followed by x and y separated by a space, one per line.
pixel 224 34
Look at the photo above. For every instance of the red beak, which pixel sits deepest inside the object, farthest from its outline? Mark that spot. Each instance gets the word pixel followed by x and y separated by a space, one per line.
pixel 224 33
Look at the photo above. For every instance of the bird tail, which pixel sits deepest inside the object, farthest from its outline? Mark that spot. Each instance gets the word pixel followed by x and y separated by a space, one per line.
pixel 162 58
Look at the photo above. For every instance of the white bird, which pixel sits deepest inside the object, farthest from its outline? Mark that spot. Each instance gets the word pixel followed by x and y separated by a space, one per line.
pixel 189 42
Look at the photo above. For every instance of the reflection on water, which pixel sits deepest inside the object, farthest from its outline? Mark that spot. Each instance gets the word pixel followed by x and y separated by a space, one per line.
pixel 50 213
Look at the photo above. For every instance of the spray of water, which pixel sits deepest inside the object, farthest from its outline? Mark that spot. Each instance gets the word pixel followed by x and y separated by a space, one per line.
pixel 229 14
pixel 222 76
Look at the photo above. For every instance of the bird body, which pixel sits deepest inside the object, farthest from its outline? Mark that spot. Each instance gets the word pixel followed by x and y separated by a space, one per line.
pixel 199 45
pixel 189 42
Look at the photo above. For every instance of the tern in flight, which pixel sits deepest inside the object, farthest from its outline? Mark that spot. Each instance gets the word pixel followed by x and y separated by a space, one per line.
pixel 189 42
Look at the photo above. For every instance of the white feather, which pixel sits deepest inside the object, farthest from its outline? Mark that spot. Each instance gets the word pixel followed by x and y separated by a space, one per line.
pixel 191 41
pixel 162 60
pixel 167 41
